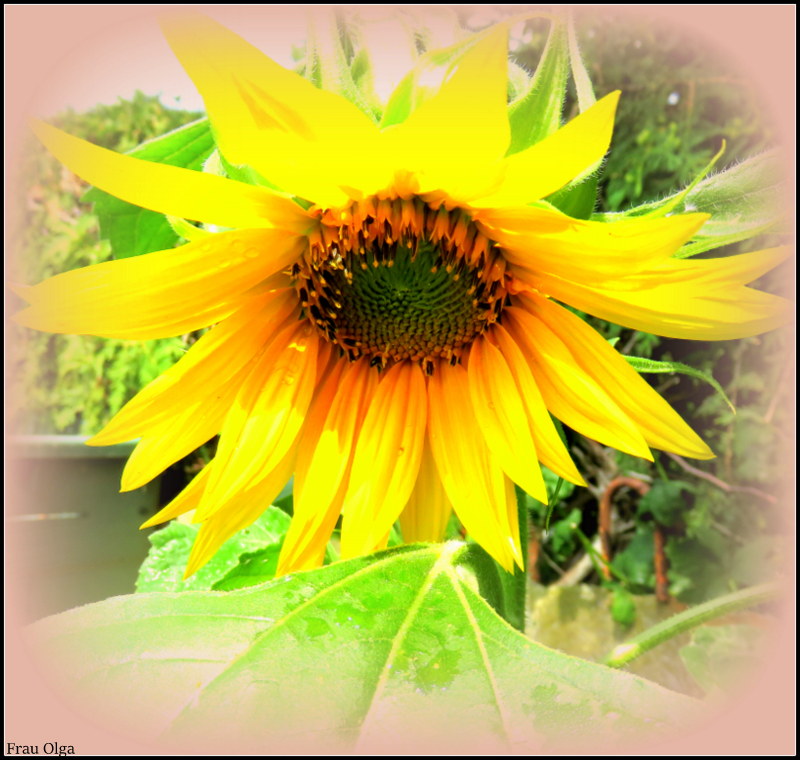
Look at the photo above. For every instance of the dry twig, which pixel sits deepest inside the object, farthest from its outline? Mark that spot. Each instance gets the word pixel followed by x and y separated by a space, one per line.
pixel 721 484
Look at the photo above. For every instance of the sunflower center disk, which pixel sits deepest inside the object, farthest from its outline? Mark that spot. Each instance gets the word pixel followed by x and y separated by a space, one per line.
pixel 399 280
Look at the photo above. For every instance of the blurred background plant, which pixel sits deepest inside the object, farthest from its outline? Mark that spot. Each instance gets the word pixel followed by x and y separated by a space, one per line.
pixel 76 383
pixel 684 531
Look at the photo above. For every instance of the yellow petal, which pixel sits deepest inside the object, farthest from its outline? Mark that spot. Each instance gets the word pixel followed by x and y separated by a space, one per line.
pixel 426 515
pixel 543 241
pixel 549 446
pixel 172 190
pixel 203 375
pixel 188 427
pixel 185 501
pixel 312 524
pixel 682 298
pixel 302 139
pixel 468 475
pixel 502 419
pixel 306 540
pixel 570 393
pixel 661 426
pixel 386 459
pixel 550 164
pixel 266 416
pixel 464 126
pixel 512 519
pixel 724 272
pixel 325 454
pixel 237 513
pixel 160 294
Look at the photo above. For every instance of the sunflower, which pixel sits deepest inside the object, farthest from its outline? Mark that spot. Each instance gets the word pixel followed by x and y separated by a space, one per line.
pixel 384 307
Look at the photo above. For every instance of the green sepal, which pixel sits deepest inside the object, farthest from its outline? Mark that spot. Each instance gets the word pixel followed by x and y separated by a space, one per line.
pixel 642 365
pixel 744 201
pixel 579 198
pixel 580 76
pixel 410 93
pixel 331 62
pixel 538 112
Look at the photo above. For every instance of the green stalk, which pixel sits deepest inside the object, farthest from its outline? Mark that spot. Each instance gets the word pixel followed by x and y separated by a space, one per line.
pixel 684 621
pixel 505 592
pixel 521 576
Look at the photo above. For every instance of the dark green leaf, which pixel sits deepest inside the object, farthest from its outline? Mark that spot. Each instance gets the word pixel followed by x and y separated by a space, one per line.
pixel 285 499
pixel 396 651
pixel 132 230
pixel 562 535
pixel 558 489
pixel 635 562
pixel 665 501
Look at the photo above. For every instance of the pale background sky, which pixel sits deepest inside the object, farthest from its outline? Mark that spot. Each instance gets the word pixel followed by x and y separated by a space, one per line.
pixel 100 59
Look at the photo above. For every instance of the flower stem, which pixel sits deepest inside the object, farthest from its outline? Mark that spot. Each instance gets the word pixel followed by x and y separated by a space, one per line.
pixel 505 592
pixel 683 621
pixel 520 579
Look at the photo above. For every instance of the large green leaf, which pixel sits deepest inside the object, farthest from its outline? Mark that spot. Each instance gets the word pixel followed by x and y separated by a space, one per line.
pixel 133 230
pixel 396 651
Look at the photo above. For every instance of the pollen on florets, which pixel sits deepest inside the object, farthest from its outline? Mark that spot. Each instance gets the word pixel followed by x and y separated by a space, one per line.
pixel 398 280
